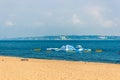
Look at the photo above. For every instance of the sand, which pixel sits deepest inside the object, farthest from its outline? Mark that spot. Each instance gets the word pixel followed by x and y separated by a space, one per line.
pixel 12 68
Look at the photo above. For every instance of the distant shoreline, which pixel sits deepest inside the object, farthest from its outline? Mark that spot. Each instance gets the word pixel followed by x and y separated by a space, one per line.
pixel 67 37
pixel 60 40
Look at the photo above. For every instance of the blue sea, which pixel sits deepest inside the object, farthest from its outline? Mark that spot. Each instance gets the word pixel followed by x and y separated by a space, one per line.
pixel 26 49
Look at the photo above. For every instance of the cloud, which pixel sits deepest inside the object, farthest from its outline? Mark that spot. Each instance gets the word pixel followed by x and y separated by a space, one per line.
pixel 49 13
pixel 9 23
pixel 98 15
pixel 76 19
pixel 38 23
pixel 108 23
pixel 94 11
pixel 12 15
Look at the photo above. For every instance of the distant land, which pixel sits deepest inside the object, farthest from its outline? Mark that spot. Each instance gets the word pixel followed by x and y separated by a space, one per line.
pixel 67 37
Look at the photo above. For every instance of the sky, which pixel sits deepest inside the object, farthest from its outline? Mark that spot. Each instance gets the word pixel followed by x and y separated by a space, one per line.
pixel 22 18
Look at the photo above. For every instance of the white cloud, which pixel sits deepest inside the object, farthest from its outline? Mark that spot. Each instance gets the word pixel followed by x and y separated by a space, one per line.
pixel 9 23
pixel 97 14
pixel 117 21
pixel 107 23
pixel 49 13
pixel 94 11
pixel 76 19
pixel 12 15
pixel 38 23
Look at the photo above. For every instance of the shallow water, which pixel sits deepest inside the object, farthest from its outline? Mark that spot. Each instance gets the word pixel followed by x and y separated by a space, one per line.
pixel 110 50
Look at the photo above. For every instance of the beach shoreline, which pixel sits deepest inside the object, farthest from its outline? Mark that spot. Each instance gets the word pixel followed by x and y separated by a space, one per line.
pixel 15 68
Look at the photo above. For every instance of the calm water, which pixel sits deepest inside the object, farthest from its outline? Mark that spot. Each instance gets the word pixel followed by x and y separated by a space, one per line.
pixel 110 54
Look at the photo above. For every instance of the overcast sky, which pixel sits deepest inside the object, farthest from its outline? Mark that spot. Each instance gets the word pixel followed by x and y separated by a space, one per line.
pixel 19 18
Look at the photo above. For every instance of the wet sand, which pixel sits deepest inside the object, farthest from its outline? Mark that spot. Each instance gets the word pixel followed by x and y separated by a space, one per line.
pixel 12 68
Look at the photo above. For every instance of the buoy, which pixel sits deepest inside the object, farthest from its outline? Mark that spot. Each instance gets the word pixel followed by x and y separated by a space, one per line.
pixel 87 50
pixel 37 50
pixel 98 50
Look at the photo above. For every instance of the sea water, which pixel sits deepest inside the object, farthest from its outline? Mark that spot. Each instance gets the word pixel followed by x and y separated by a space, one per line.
pixel 37 49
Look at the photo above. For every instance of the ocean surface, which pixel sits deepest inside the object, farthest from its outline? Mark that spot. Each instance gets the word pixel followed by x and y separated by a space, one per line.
pixel 30 49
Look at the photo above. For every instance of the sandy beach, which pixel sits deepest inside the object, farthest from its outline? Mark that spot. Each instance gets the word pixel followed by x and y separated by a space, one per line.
pixel 12 68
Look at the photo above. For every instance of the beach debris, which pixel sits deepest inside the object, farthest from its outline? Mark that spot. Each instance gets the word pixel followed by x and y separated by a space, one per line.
pixel 37 50
pixel 2 59
pixel 24 59
pixel 99 50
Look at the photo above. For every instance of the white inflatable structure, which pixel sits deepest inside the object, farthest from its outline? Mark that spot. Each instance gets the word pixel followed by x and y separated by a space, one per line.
pixel 70 48
pixel 67 48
